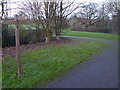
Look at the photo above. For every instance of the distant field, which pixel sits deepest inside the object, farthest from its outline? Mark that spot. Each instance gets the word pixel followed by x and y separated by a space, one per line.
pixel 22 26
pixel 107 36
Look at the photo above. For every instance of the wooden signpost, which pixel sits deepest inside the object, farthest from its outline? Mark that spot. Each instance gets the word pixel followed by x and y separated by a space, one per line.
pixel 17 21
pixel 17 45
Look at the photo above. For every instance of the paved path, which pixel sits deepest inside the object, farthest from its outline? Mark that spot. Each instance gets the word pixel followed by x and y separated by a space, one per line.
pixel 99 72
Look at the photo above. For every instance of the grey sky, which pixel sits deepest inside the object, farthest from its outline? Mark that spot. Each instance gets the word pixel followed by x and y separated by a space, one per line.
pixel 14 5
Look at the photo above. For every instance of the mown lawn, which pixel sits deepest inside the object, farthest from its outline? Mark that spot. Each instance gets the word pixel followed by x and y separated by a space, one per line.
pixel 44 63
pixel 107 36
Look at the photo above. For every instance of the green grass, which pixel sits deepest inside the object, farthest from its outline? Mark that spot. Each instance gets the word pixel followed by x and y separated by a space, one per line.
pixel 0 73
pixel 44 63
pixel 22 26
pixel 107 36
pixel 25 26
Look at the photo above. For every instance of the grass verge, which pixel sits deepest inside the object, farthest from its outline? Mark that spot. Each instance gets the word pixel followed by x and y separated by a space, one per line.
pixel 107 36
pixel 47 62
pixel 0 74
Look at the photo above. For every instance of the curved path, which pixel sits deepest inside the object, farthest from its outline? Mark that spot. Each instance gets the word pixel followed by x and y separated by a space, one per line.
pixel 99 72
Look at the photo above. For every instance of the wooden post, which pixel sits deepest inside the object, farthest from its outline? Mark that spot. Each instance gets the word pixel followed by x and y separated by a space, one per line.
pixel 17 45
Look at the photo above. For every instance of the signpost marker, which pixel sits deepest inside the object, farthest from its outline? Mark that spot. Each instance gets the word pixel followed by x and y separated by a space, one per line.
pixel 17 45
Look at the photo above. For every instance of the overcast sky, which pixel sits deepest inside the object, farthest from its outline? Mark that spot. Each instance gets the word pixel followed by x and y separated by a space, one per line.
pixel 15 11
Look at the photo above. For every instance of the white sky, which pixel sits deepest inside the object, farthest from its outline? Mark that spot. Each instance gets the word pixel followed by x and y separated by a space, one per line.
pixel 15 11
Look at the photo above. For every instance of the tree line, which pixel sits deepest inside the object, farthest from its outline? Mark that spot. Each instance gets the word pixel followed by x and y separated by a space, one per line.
pixel 54 15
pixel 97 15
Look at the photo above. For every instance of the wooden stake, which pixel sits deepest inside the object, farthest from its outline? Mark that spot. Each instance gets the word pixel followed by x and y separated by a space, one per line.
pixel 17 45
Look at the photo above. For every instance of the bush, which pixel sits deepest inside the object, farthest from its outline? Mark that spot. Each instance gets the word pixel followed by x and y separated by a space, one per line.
pixel 26 36
pixel 104 29
pixel 8 36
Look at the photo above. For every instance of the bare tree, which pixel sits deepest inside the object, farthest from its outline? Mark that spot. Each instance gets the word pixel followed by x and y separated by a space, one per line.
pixel 103 13
pixel 32 10
pixel 49 14
pixel 103 16
pixel 114 8
pixel 3 8
pixel 65 9
pixel 90 13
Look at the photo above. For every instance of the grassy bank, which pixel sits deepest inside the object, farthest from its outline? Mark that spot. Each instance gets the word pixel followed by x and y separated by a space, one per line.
pixel 47 62
pixel 107 36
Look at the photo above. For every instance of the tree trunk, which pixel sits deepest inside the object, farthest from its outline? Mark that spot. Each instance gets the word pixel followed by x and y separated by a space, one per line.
pixel 48 36
pixel 57 34
pixel 58 37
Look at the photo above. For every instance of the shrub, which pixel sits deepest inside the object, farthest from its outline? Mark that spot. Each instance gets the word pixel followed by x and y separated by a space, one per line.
pixel 8 36
pixel 104 29
pixel 26 36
